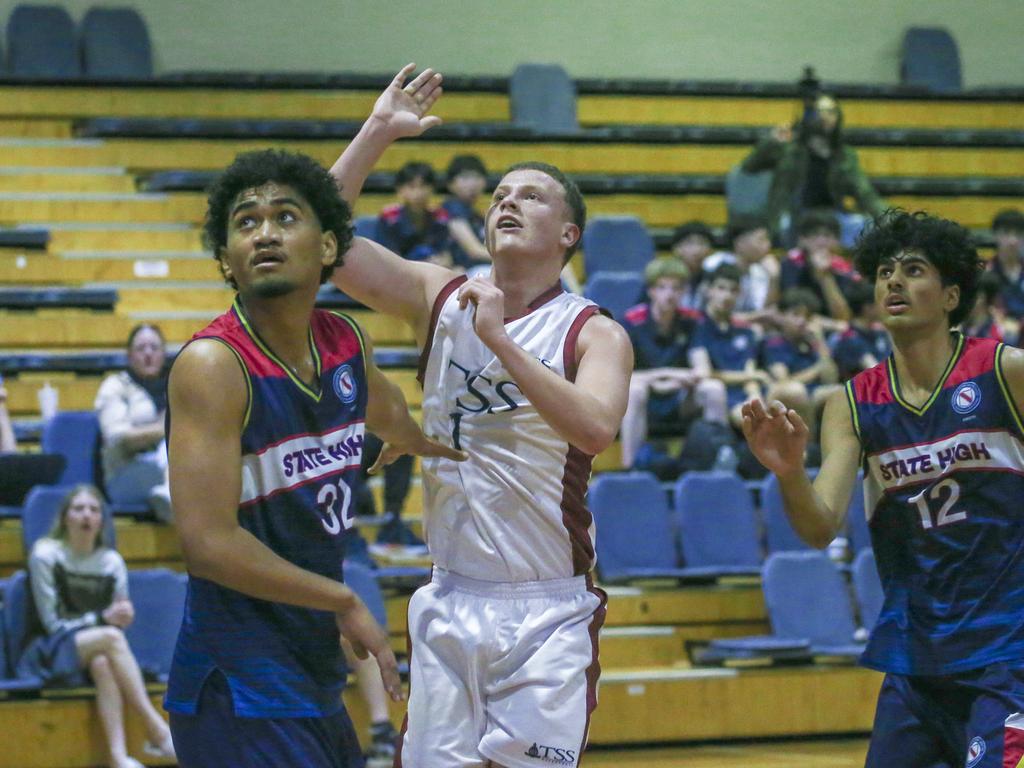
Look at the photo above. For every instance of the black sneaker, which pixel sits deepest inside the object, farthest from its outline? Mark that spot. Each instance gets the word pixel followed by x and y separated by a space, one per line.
pixel 383 743
pixel 395 531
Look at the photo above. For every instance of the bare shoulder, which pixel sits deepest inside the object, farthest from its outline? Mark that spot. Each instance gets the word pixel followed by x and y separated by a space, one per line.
pixel 1013 362
pixel 604 337
pixel 207 372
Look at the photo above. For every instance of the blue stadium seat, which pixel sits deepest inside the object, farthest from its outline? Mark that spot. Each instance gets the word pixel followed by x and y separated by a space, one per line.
pixel 115 44
pixel 158 596
pixel 14 619
pixel 856 519
pixel 615 291
pixel 543 97
pixel 867 586
pixel 616 244
pixel 9 683
pixel 746 194
pixel 634 529
pixel 363 582
pixel 74 435
pixel 779 533
pixel 41 43
pixel 40 511
pixel 365 226
pixel 718 526
pixel 930 59
pixel 807 598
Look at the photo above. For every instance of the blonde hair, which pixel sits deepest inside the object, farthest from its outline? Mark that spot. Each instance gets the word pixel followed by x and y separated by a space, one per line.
pixel 59 529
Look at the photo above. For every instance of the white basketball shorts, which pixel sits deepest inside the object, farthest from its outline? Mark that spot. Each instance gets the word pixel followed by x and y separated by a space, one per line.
pixel 505 672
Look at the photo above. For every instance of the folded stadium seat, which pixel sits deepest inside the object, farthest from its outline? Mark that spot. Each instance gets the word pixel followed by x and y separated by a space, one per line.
pixel 365 226
pixel 41 43
pixel 363 582
pixel 74 435
pixel 615 291
pixel 779 533
pixel 9 683
pixel 180 181
pixel 115 44
pixel 543 97
pixel 616 244
pixel 13 634
pixel 746 194
pixel 61 297
pixel 29 239
pixel 930 59
pixel 158 596
pixel 635 539
pixel 40 511
pixel 856 520
pixel 867 586
pixel 718 527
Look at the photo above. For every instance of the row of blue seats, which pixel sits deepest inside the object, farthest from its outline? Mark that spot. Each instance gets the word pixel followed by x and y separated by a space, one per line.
pixel 61 297
pixel 711 529
pixel 42 43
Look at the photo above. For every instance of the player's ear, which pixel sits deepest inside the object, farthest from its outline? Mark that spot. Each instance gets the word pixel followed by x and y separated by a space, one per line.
pixel 225 270
pixel 570 235
pixel 951 299
pixel 328 248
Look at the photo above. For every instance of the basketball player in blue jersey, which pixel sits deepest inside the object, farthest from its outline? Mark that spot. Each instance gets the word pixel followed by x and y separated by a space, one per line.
pixel 531 382
pixel 268 409
pixel 937 430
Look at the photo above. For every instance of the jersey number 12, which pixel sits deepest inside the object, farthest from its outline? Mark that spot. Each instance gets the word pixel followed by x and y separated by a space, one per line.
pixel 946 515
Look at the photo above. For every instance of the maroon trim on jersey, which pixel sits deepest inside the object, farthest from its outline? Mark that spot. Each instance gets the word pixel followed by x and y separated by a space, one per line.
pixel 594 670
pixel 569 361
pixel 537 303
pixel 435 315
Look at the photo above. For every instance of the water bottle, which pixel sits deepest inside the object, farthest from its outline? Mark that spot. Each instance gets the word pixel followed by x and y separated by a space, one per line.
pixel 48 397
pixel 726 459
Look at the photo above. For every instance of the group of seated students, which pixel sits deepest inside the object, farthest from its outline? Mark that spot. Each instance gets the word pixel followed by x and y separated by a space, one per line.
pixel 721 327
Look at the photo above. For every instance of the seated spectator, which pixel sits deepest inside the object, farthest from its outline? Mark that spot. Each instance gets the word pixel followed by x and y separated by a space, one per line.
pixel 80 594
pixel 466 178
pixel 691 244
pixel 8 444
pixel 865 342
pixel 759 268
pixel 662 377
pixel 131 407
pixel 725 347
pixel 815 264
pixel 411 228
pixel 1008 230
pixel 813 167
pixel 987 320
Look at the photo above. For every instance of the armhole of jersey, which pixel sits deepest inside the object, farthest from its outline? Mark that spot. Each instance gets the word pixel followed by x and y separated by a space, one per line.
pixel 851 400
pixel 435 316
pixel 358 332
pixel 1005 388
pixel 569 363
pixel 245 373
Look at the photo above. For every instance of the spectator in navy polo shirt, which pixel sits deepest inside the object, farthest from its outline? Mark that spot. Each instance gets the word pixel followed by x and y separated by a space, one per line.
pixel 1008 230
pixel 987 319
pixel 865 343
pixel 724 347
pixel 693 242
pixel 817 265
pixel 466 178
pixel 659 391
pixel 411 227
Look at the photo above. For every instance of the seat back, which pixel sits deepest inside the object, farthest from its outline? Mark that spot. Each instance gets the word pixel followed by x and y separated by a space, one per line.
pixel 930 59
pixel 616 244
pixel 746 194
pixel 16 616
pixel 779 533
pixel 40 511
pixel 807 598
pixel 115 44
pixel 856 519
pixel 634 529
pixel 365 226
pixel 363 582
pixel 716 520
pixel 615 291
pixel 74 435
pixel 543 97
pixel 41 43
pixel 158 595
pixel 867 586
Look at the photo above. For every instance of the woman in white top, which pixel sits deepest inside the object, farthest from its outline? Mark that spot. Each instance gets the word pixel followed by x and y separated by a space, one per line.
pixel 80 593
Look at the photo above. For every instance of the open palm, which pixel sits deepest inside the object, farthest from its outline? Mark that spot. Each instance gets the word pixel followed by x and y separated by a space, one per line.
pixel 777 436
pixel 403 107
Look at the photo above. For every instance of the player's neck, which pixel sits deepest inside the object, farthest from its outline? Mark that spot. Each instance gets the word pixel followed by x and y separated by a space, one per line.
pixel 921 357
pixel 522 282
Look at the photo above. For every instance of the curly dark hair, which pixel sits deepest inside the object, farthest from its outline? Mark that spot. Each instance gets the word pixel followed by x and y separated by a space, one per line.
pixel 945 244
pixel 300 172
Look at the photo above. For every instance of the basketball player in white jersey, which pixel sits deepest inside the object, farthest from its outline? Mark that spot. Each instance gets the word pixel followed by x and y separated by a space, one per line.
pixel 531 382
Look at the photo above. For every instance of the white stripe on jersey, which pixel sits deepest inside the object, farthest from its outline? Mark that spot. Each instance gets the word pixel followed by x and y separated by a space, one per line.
pixel 514 510
pixel 298 460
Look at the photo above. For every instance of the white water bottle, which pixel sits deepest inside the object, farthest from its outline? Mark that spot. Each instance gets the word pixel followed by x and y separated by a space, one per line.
pixel 48 397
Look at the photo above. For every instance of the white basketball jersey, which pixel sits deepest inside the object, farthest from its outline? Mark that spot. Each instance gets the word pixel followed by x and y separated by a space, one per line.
pixel 515 510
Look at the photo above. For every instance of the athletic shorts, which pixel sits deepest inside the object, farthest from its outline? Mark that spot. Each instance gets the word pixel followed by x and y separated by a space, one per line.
pixel 215 738
pixel 970 719
pixel 505 672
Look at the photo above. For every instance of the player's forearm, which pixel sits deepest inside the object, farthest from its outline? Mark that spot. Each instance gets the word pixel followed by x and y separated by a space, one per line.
pixel 577 416
pixel 810 517
pixel 234 558
pixel 834 299
pixel 390 419
pixel 360 156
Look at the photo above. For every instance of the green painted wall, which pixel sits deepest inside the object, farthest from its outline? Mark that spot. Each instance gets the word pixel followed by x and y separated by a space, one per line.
pixel 702 39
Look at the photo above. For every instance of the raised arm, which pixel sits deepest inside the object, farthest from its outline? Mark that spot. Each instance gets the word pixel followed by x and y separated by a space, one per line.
pixel 371 273
pixel 778 438
pixel 207 396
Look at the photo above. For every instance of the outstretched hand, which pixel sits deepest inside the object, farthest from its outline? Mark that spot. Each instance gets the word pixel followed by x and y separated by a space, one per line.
pixel 403 107
pixel 776 435
pixel 364 636
pixel 422 446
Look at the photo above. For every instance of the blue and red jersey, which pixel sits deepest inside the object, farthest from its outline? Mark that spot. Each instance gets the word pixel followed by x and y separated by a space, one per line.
pixel 301 449
pixel 943 488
